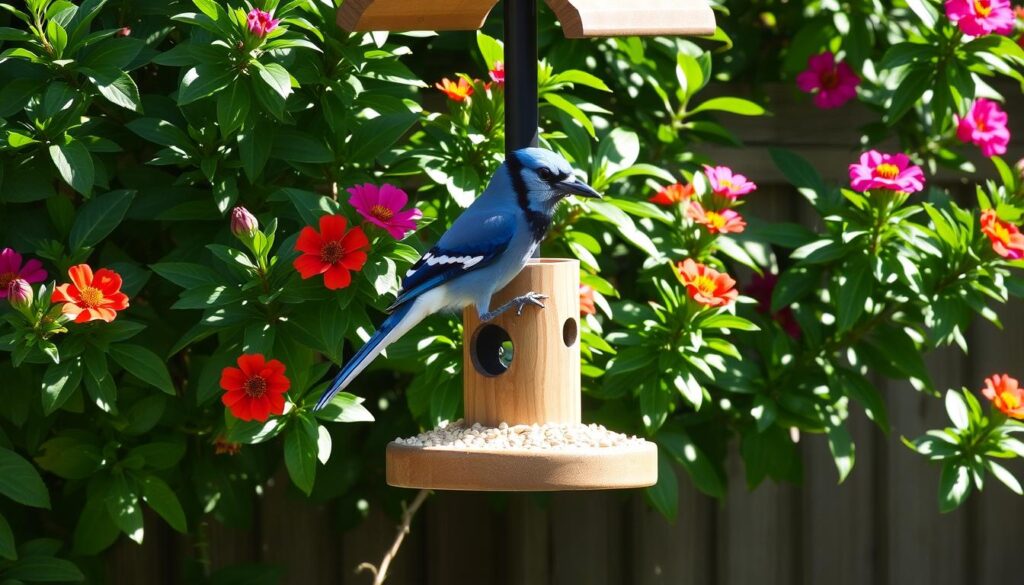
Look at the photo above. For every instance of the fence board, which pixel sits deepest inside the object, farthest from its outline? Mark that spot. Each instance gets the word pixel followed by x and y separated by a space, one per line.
pixel 587 538
pixel 679 552
pixel 298 535
pixel 466 540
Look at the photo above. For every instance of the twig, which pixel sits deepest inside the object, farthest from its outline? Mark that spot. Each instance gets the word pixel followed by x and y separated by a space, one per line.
pixel 381 573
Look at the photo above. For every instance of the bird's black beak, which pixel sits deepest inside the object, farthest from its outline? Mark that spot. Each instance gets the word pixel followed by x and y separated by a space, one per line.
pixel 574 186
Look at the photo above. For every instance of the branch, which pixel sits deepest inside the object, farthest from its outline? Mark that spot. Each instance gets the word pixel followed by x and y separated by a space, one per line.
pixel 381 573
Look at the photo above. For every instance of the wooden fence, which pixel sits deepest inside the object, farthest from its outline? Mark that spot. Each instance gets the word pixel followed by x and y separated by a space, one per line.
pixel 881 527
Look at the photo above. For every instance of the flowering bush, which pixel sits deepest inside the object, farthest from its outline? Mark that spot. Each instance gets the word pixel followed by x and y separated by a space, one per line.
pixel 206 209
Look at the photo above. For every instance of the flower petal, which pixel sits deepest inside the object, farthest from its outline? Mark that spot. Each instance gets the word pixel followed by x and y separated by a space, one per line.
pixel 337 277
pixel 332 227
pixel 81 275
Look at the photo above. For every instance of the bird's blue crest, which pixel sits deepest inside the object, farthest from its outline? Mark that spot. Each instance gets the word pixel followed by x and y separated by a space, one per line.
pixel 538 158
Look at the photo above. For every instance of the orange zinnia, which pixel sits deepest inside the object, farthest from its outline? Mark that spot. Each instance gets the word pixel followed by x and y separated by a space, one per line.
pixel 91 297
pixel 332 251
pixel 1007 241
pixel 587 300
pixel 457 90
pixel 717 222
pixel 255 389
pixel 673 194
pixel 1006 394
pixel 706 285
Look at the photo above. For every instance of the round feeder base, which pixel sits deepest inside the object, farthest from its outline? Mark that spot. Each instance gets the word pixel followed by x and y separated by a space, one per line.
pixel 522 470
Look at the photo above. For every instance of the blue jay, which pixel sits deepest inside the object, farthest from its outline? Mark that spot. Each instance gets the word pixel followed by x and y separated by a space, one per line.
pixel 485 248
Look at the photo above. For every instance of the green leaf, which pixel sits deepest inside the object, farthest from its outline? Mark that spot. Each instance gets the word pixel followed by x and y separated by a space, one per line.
pixel 372 137
pixel 202 81
pixel 1004 476
pixel 98 217
pixel 732 105
pixel 572 109
pixel 345 407
pixel 854 291
pixel 59 382
pixel 42 569
pixel 925 11
pixel 162 132
pixel 674 440
pixel 144 365
pixel 74 163
pixel 159 496
pixel 297 146
pixel 300 453
pixel 664 495
pixel 116 86
pixel 954 485
pixel 840 443
pixel 276 78
pixel 909 91
pixel 727 321
pixel 864 392
pixel 95 530
pixel 793 285
pixel 491 49
pixel 232 107
pixel 7 548
pixel 123 506
pixel 578 77
pixel 186 274
pixel 20 481
pixel 956 408
pixel 70 456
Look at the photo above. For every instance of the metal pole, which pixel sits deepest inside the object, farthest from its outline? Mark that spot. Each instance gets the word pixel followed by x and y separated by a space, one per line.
pixel 521 116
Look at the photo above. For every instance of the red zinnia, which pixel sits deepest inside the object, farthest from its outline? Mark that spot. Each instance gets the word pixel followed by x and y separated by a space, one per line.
pixel 673 194
pixel 1006 394
pixel 706 285
pixel 254 390
pixel 91 297
pixel 332 251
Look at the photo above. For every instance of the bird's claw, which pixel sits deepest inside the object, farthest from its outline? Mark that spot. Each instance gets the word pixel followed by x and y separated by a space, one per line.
pixel 531 298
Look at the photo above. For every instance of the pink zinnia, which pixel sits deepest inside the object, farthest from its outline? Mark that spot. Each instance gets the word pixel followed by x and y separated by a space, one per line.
pixel 11 269
pixel 383 207
pixel 498 73
pixel 892 172
pixel 833 84
pixel 261 22
pixel 725 183
pixel 981 17
pixel 985 126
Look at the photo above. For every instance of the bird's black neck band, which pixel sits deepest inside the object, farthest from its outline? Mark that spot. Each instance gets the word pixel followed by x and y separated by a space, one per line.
pixel 538 222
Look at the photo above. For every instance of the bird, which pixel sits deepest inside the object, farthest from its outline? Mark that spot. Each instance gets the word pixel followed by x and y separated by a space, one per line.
pixel 482 251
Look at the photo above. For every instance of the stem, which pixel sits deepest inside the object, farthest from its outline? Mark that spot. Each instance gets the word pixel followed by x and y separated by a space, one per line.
pixel 381 573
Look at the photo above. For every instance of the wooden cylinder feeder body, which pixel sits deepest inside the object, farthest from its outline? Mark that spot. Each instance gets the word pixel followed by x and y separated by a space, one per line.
pixel 525 369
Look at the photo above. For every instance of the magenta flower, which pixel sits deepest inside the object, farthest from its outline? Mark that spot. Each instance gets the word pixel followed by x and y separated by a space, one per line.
pixel 261 22
pixel 498 73
pixel 981 17
pixel 725 183
pixel 383 207
pixel 243 222
pixel 833 84
pixel 892 172
pixel 11 269
pixel 985 126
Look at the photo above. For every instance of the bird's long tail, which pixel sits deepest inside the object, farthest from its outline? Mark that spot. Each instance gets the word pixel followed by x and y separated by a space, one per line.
pixel 396 325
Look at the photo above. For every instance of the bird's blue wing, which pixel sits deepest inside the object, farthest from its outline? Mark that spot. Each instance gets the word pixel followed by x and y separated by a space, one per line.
pixel 469 245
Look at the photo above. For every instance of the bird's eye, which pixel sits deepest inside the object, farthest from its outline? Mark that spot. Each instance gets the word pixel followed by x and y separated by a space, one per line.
pixel 545 174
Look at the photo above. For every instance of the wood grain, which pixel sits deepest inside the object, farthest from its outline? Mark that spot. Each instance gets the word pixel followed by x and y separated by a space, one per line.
pixel 405 15
pixel 614 18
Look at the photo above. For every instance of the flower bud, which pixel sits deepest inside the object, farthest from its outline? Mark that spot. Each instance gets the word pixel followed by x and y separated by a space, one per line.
pixel 19 294
pixel 124 31
pixel 243 223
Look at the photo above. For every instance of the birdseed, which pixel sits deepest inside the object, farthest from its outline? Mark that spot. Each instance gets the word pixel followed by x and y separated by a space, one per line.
pixel 530 437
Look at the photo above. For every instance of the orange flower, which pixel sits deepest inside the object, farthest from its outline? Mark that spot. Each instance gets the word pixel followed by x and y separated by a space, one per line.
pixel 222 446
pixel 254 390
pixel 1007 241
pixel 332 251
pixel 718 222
pixel 587 300
pixel 706 285
pixel 1006 394
pixel 457 90
pixel 673 194
pixel 89 297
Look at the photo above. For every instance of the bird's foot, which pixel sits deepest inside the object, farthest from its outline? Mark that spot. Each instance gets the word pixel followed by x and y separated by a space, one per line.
pixel 530 298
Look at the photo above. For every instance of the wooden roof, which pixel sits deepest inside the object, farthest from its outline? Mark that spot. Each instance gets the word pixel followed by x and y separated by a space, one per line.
pixel 579 18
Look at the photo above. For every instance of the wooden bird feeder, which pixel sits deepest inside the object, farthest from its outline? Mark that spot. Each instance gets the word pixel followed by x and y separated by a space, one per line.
pixel 541 383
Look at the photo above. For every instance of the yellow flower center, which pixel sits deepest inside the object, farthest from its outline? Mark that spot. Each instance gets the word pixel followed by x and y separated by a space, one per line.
pixel 982 7
pixel 705 284
pixel 332 252
pixel 1010 399
pixel 725 184
pixel 1000 232
pixel 715 220
pixel 381 212
pixel 255 387
pixel 887 170
pixel 91 296
pixel 6 278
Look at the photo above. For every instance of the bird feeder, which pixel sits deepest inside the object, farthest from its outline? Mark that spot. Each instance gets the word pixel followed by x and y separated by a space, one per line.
pixel 538 389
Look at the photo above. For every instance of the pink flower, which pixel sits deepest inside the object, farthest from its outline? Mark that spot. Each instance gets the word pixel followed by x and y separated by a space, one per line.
pixel 243 222
pixel 981 17
pixel 833 84
pixel 498 73
pixel 11 268
pixel 383 207
pixel 892 172
pixel 261 22
pixel 725 183
pixel 985 126
pixel 725 221
pixel 19 294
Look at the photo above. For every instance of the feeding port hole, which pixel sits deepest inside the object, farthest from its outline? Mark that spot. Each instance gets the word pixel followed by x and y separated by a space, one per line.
pixel 492 350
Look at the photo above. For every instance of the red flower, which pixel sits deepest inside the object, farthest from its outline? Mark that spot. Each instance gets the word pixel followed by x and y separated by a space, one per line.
pixel 587 300
pixel 332 251
pixel 717 222
pixel 706 285
pixel 1007 241
pixel 455 90
pixel 673 194
pixel 1006 394
pixel 254 390
pixel 89 296
pixel 498 73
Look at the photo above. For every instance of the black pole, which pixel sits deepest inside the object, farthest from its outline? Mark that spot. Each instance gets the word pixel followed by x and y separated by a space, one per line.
pixel 521 116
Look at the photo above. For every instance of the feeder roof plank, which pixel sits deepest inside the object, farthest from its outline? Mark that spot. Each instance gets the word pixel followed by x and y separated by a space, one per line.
pixel 579 18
